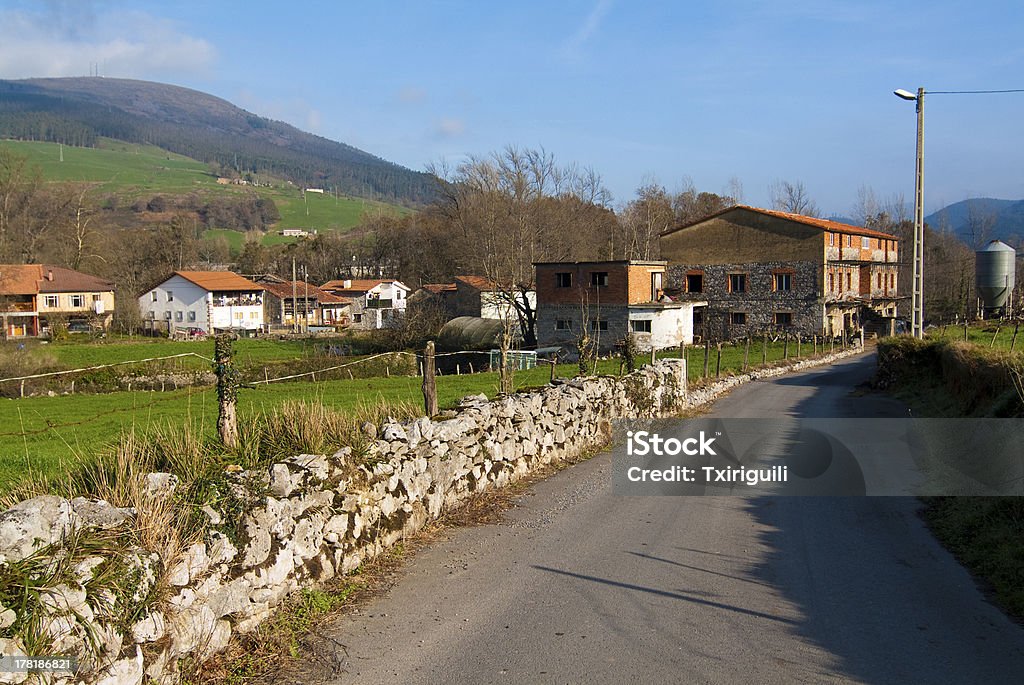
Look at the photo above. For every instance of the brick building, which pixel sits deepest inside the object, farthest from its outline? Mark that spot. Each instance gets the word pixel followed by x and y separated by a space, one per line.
pixel 612 299
pixel 760 269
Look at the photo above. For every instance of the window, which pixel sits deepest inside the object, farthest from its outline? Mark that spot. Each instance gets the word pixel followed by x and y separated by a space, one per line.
pixel 78 300
pixel 698 316
pixel 737 283
pixel 782 282
pixel 831 281
pixel 563 280
pixel 153 295
pixel 695 283
pixel 879 280
pixel 357 318
pixel 865 243
pixel 640 325
pixel 599 279
pixel 849 280
pixel 784 319
pixel 598 325
pixel 831 238
pixel 849 241
pixel 563 325
pixel 253 316
pixel 51 300
pixel 170 296
pixel 167 315
pixel 239 316
pixel 737 318
pixel 191 316
pixel 178 316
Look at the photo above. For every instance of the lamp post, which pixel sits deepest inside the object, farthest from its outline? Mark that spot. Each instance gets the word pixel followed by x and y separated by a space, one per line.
pixel 917 280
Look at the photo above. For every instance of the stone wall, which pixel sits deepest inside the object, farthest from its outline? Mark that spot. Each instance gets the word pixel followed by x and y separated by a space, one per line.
pixel 308 519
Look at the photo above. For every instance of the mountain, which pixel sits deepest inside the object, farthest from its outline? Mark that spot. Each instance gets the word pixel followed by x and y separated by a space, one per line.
pixel 78 111
pixel 981 219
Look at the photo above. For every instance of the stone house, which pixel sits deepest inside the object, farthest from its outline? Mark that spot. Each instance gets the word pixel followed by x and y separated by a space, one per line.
pixel 475 296
pixel 375 303
pixel 611 299
pixel 205 301
pixel 36 297
pixel 762 270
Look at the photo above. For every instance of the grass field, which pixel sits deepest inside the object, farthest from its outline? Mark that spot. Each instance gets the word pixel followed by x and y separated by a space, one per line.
pixel 44 432
pixel 982 334
pixel 135 171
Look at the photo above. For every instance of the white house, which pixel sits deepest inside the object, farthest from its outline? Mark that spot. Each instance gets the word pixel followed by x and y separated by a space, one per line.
pixel 375 302
pixel 210 301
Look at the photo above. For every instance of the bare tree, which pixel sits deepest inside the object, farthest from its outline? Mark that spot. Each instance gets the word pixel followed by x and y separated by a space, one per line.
pixel 792 198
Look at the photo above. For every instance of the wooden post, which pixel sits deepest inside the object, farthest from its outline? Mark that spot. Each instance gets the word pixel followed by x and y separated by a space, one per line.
pixel 72 387
pixel 350 376
pixel 798 341
pixel 429 385
pixel 458 370
pixel 746 353
pixel 554 363
pixel 682 350
pixel 227 390
pixel 1013 340
pixel 965 329
pixel 815 340
pixel 994 336
pixel 654 353
pixel 707 358
pixel 785 347
pixel 718 362
pixel 23 388
pixel 764 348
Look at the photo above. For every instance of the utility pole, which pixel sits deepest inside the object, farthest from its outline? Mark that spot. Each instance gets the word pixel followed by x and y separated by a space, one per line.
pixel 295 301
pixel 305 298
pixel 918 276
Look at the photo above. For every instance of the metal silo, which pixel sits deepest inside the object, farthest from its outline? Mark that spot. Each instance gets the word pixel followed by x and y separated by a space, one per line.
pixel 994 270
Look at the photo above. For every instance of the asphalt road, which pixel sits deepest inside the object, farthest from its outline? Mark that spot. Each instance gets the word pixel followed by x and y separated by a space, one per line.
pixel 577 585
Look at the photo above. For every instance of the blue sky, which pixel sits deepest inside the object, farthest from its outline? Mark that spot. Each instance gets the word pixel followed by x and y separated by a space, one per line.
pixel 760 91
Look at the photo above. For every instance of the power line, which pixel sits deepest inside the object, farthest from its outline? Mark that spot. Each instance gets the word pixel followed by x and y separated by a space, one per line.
pixel 971 92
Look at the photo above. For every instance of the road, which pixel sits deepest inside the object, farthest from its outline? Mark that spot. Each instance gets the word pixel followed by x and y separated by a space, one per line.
pixel 579 586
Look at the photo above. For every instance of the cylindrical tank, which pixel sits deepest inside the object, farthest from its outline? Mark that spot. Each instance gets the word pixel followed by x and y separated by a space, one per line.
pixel 994 270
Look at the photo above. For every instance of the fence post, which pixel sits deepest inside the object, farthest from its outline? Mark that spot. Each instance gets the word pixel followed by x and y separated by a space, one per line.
pixel 746 353
pixel 785 347
pixel 554 363
pixel 429 385
pixel 654 352
pixel 227 390
pixel 718 362
pixel 764 348
pixel 798 341
pixel 707 357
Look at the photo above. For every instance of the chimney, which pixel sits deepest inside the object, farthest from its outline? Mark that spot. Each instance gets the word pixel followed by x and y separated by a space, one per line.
pixel 346 284
pixel 49 275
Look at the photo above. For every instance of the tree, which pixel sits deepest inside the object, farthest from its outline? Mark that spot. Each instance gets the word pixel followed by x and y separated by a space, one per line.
pixel 644 219
pixel 792 198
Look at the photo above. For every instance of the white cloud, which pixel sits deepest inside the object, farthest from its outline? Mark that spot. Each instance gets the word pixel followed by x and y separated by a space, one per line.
pixel 573 47
pixel 67 39
pixel 449 128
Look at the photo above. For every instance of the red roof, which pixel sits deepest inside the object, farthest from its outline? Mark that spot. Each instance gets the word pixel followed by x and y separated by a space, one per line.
pixel 283 290
pixel 357 286
pixel 823 224
pixel 219 280
pixel 478 282
pixel 438 288
pixel 29 279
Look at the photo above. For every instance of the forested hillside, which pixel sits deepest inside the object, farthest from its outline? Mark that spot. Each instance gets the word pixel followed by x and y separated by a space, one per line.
pixel 79 111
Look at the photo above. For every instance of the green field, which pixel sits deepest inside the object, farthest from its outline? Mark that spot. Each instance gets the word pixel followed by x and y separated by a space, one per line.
pixel 44 432
pixel 988 334
pixel 141 171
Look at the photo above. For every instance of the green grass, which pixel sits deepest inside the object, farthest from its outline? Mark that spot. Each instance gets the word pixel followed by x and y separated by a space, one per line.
pixel 43 433
pixel 236 239
pixel 981 334
pixel 141 171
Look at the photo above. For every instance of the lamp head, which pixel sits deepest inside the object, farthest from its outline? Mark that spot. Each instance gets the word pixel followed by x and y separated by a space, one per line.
pixel 905 94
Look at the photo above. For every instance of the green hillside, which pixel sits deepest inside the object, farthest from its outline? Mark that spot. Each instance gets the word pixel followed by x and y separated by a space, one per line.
pixel 135 172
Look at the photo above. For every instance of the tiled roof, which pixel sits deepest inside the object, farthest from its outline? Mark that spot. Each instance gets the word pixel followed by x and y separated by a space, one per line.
pixel 823 224
pixel 219 280
pixel 29 279
pixel 478 282
pixel 20 279
pixel 283 290
pixel 438 288
pixel 357 286
pixel 71 281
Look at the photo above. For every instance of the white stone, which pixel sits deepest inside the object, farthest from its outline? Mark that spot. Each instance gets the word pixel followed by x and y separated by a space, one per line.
pixel 149 629
pixel 34 523
pixel 161 485
pixel 123 671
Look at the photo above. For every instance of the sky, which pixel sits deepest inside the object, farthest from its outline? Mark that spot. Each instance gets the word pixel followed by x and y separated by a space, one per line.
pixel 790 90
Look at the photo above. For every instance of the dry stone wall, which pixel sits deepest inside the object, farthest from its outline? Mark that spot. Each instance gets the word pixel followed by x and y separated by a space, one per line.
pixel 308 519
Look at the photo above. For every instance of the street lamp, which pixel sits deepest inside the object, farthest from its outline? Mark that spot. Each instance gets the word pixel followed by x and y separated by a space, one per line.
pixel 917 282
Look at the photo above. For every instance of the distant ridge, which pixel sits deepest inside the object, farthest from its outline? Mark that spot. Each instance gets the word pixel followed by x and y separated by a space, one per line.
pixel 978 220
pixel 78 111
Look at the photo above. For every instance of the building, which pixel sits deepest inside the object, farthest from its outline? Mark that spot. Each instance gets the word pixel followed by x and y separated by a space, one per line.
pixel 475 296
pixel 375 303
pixel 612 299
pixel 204 301
pixel 36 297
pixel 315 307
pixel 761 270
